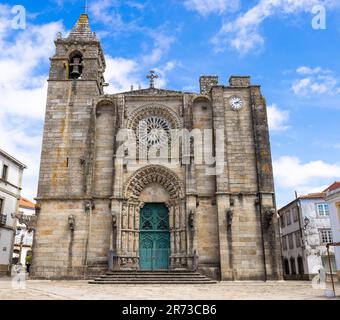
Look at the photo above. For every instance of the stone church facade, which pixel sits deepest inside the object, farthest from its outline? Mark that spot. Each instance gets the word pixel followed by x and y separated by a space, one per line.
pixel 105 204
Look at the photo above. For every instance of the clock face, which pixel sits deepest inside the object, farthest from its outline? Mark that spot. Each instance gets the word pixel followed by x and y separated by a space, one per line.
pixel 236 103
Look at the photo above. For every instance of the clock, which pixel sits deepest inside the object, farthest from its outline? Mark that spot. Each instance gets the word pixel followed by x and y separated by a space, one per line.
pixel 236 103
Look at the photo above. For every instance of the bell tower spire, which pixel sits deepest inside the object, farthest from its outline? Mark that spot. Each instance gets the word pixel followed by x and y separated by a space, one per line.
pixel 82 29
pixel 79 56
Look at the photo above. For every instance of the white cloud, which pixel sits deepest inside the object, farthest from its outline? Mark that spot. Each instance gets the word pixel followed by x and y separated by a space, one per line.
pixel 163 70
pixel 19 140
pixel 308 70
pixel 24 63
pixel 107 12
pixel 277 118
pixel 205 7
pixel 121 74
pixel 22 89
pixel 315 81
pixel 24 59
pixel 290 172
pixel 243 34
pixel 161 46
pixel 316 189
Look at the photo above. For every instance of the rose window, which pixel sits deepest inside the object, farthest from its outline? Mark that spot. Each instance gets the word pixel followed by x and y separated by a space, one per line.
pixel 154 131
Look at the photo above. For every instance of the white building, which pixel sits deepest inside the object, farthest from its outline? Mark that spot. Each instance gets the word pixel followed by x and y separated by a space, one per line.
pixel 305 230
pixel 24 235
pixel 333 199
pixel 11 171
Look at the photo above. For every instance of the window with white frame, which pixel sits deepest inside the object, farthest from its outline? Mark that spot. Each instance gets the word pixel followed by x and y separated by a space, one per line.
pixel 284 243
pixel 289 220
pixel 295 214
pixel 326 236
pixel 291 241
pixel 322 209
pixel 298 241
pixel 282 219
pixel 325 264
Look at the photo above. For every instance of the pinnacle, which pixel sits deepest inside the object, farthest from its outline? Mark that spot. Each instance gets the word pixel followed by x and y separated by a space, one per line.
pixel 82 29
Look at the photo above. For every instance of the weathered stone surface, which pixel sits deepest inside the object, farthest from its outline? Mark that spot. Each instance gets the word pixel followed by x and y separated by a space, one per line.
pixel 217 212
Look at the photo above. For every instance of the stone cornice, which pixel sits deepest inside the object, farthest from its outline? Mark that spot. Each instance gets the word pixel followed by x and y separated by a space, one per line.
pixel 10 193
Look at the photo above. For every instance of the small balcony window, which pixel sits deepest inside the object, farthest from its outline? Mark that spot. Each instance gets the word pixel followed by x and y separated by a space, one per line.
pixel 322 209
pixel 326 236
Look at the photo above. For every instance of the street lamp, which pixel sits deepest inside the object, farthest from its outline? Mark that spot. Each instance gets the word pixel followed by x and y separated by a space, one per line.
pixel 306 221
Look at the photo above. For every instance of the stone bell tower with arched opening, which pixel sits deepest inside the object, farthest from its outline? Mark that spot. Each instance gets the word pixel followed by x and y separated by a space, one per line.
pixel 152 179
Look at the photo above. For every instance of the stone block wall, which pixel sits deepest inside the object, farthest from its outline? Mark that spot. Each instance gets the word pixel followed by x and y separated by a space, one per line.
pixel 66 144
pixel 59 252
pixel 234 236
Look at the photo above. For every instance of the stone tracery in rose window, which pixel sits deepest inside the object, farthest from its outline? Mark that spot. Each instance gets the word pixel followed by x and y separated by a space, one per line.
pixel 152 125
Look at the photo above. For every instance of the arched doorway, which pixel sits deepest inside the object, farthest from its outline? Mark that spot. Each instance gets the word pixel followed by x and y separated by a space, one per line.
pixel 286 266
pixel 154 237
pixel 292 265
pixel 300 265
pixel 162 189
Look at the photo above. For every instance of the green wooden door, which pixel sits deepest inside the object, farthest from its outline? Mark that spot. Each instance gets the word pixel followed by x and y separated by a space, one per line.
pixel 154 237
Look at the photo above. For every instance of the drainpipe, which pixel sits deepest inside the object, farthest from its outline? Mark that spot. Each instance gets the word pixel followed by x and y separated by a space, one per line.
pixel 330 268
pixel 89 212
pixel 21 244
pixel 299 211
pixel 259 211
pixel 303 246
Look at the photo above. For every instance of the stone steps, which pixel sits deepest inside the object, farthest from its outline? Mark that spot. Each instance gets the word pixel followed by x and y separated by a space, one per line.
pixel 157 277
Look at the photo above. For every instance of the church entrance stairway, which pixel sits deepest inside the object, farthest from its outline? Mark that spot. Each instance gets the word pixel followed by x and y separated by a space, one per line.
pixel 154 277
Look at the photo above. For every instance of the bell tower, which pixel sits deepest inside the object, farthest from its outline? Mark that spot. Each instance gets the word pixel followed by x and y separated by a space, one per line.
pixel 79 56
pixel 75 80
pixel 62 238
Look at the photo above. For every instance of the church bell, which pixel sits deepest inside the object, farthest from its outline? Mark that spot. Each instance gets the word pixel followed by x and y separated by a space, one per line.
pixel 76 68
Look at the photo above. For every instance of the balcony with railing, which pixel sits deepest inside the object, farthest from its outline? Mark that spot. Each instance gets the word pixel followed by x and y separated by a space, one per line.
pixel 25 239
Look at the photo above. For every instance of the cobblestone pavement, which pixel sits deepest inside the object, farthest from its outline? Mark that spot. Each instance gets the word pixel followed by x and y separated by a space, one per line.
pixel 79 290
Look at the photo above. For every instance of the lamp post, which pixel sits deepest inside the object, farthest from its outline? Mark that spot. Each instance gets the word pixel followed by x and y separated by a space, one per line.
pixel 22 235
pixel 306 221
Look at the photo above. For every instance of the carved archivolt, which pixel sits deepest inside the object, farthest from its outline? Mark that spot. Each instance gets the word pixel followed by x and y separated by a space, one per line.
pixel 154 174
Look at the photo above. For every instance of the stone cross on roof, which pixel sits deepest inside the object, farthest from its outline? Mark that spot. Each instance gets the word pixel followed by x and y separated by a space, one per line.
pixel 152 76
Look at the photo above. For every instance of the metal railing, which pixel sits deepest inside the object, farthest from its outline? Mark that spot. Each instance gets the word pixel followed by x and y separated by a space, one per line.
pixel 3 219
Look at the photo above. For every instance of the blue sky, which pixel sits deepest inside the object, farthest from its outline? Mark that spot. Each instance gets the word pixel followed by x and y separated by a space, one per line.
pixel 273 41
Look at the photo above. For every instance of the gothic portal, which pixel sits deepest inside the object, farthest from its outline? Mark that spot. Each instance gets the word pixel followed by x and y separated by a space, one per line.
pixel 154 237
pixel 152 179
